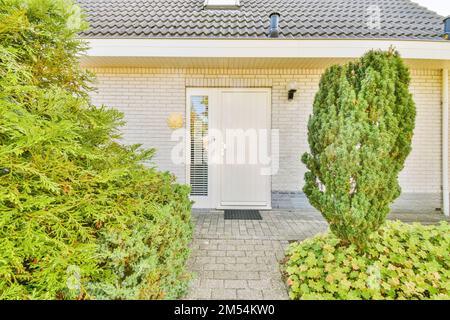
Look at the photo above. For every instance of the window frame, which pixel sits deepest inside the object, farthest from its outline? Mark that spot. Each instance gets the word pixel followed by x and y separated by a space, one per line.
pixel 196 143
pixel 217 5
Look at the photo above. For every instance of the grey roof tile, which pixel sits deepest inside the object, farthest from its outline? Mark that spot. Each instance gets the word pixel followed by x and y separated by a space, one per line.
pixel 300 19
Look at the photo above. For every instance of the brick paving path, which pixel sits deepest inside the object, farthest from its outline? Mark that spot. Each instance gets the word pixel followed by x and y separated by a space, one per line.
pixel 239 259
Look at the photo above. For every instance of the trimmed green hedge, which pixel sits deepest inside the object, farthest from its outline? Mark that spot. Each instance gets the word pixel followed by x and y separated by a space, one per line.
pixel 81 217
pixel 401 261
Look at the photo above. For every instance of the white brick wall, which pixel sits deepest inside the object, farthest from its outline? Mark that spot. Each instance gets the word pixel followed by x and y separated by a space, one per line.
pixel 449 122
pixel 148 96
pixel 422 171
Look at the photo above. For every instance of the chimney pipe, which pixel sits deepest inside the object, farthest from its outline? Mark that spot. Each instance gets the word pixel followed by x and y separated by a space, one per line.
pixel 274 30
pixel 447 27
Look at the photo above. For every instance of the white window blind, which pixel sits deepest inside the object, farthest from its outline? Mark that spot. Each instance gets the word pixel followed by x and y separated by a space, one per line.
pixel 199 152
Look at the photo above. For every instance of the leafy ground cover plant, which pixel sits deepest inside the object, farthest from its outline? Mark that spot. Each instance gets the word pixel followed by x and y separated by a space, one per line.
pixel 401 261
pixel 80 216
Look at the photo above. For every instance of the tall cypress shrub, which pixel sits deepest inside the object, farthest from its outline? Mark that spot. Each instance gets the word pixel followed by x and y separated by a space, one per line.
pixel 359 135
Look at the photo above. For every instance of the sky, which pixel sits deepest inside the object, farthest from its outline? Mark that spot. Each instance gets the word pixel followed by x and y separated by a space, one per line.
pixel 440 6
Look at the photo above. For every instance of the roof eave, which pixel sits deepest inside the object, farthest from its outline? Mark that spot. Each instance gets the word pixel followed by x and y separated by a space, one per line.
pixel 264 48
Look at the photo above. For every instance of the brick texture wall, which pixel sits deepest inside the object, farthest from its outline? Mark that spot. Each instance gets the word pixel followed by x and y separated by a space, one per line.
pixel 147 96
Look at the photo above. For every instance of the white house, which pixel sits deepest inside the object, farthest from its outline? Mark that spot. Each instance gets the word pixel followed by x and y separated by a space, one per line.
pixel 215 65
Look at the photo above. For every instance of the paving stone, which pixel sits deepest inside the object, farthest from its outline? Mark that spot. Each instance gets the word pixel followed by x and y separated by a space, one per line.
pixel 205 260
pixel 247 247
pixel 263 247
pixel 271 294
pixel 249 294
pixel 206 274
pixel 200 294
pixel 226 260
pixel 258 267
pixel 255 253
pixel 215 253
pixel 224 294
pixel 212 283
pixel 235 253
pixel 260 284
pixel 246 260
pixel 272 259
pixel 235 267
pixel 213 266
pixel 195 267
pixel 226 247
pixel 248 275
pixel 227 275
pixel 236 284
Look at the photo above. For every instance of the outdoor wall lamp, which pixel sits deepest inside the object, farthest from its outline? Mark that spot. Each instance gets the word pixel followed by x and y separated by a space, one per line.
pixel 291 87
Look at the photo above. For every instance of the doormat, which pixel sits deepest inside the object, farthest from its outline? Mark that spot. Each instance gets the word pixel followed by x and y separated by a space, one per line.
pixel 242 215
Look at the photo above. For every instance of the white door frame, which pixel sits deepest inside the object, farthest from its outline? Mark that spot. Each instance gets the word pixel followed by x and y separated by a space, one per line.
pixel 214 122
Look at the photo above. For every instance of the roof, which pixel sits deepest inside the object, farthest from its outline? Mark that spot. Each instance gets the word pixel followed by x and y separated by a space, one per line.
pixel 300 19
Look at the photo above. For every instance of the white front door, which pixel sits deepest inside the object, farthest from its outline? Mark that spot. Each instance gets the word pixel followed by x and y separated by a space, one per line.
pixel 238 121
pixel 245 124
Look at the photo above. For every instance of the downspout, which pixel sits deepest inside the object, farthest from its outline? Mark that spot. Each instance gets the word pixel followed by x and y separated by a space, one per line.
pixel 445 195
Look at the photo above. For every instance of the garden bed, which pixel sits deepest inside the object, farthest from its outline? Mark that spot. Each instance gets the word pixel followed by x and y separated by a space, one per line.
pixel 401 261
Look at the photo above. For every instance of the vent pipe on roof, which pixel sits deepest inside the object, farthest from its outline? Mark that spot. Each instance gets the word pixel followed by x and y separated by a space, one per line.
pixel 447 28
pixel 274 30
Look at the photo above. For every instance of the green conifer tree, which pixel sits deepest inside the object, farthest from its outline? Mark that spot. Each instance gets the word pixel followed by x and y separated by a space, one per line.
pixel 359 135
pixel 80 216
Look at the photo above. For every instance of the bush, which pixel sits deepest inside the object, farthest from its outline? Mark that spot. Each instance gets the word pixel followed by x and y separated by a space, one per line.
pixel 360 135
pixel 401 262
pixel 81 216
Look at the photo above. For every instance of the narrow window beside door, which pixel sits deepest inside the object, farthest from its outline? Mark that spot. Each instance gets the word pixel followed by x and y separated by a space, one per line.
pixel 199 140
